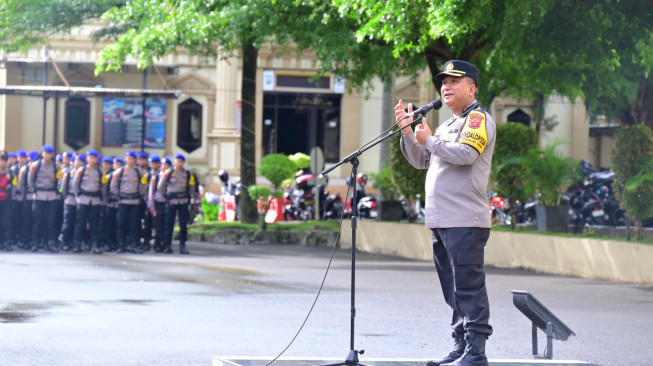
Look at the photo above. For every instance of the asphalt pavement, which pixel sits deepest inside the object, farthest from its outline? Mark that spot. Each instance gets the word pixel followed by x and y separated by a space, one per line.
pixel 234 300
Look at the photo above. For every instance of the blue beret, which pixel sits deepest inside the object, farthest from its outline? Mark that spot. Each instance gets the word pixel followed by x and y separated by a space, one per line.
pixel 130 153
pixel 59 157
pixel 33 155
pixel 68 154
pixel 119 160
pixel 107 159
pixel 22 153
pixel 141 155
pixel 81 157
pixel 180 156
pixel 72 159
pixel 155 158
pixel 167 160
pixel 92 152
pixel 48 148
pixel 12 155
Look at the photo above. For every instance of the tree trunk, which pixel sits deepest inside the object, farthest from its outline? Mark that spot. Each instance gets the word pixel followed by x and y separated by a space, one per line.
pixel 248 211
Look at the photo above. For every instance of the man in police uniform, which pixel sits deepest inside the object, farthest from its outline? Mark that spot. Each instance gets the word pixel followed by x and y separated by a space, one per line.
pixel 129 186
pixel 43 179
pixel 179 188
pixel 69 204
pixel 16 202
pixel 5 199
pixel 155 205
pixel 87 187
pixel 458 158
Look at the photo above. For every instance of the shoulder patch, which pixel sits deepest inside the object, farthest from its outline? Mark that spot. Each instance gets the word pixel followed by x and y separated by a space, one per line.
pixel 14 182
pixel 32 168
pixel 104 179
pixel 191 181
pixel 79 172
pixel 144 179
pixel 58 175
pixel 474 132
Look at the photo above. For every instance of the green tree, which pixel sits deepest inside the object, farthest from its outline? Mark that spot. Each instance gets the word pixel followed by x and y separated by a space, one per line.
pixel 527 49
pixel 631 158
pixel 26 23
pixel 409 181
pixel 514 140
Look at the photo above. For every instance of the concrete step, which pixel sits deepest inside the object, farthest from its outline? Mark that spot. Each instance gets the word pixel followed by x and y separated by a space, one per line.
pixel 311 361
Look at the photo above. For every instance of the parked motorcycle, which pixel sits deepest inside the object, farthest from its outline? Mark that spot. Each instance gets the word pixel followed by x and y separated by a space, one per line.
pixel 366 205
pixel 299 200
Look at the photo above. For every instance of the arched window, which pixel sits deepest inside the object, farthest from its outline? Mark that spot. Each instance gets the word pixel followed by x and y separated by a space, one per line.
pixel 520 116
pixel 189 125
pixel 77 122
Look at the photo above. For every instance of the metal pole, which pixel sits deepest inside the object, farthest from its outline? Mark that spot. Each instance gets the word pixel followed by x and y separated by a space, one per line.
pixel 45 98
pixel 143 120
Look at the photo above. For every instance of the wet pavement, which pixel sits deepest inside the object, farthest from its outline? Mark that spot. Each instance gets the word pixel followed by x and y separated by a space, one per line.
pixel 230 300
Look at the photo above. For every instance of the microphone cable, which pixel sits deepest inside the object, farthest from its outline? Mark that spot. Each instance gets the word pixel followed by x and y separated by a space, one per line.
pixel 342 215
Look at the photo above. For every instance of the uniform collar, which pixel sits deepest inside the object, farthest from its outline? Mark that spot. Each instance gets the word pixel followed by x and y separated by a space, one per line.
pixel 475 104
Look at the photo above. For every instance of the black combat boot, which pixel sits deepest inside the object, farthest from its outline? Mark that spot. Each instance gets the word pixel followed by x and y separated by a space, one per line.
pixel 167 249
pixel 77 247
pixel 458 350
pixel 182 248
pixel 157 248
pixel 96 249
pixel 474 351
pixel 53 246
pixel 9 247
pixel 34 247
pixel 135 249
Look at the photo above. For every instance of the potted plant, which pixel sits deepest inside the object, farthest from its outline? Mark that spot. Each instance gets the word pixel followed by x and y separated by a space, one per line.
pixel 390 208
pixel 548 173
pixel 276 168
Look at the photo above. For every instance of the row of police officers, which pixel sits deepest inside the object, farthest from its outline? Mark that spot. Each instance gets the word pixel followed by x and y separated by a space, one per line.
pixel 86 202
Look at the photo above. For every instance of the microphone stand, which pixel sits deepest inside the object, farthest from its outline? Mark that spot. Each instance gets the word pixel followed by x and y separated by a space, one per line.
pixel 352 357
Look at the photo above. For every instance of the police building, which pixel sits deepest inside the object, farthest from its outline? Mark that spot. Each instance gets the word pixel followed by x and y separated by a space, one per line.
pixel 190 105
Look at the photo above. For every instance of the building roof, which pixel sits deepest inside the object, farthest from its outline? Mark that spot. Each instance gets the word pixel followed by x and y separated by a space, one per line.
pixel 64 91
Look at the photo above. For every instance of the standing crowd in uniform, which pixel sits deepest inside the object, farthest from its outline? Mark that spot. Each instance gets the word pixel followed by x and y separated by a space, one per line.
pixel 85 202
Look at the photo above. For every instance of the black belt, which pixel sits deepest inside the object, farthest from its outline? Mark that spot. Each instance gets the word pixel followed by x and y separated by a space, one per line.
pixel 129 196
pixel 173 195
pixel 90 194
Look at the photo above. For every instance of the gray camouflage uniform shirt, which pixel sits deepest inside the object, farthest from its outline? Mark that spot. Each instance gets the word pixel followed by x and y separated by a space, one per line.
pixel 44 185
pixel 176 187
pixel 131 187
pixel 88 186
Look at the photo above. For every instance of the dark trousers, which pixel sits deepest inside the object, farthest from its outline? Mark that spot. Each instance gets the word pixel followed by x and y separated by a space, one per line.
pixel 16 221
pixel 171 213
pixel 92 214
pixel 68 227
pixel 129 220
pixel 458 255
pixel 28 223
pixel 109 226
pixel 45 221
pixel 5 222
pixel 159 223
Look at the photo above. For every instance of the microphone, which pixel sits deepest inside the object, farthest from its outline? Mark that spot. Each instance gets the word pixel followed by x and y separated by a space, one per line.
pixel 435 104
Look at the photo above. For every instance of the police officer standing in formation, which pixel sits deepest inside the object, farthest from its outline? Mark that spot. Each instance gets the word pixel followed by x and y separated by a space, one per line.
pixel 16 202
pixel 87 188
pixel 70 204
pixel 458 158
pixel 5 196
pixel 129 186
pixel 156 204
pixel 179 187
pixel 42 180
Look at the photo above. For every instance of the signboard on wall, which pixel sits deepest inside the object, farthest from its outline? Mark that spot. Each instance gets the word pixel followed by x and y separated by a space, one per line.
pixel 122 123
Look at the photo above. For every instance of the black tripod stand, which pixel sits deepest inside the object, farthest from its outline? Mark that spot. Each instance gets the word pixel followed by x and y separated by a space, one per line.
pixel 352 358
